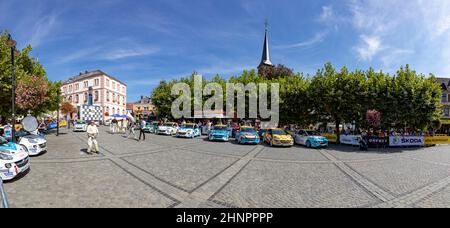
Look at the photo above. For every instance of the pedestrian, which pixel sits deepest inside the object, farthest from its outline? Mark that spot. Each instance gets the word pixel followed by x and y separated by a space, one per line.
pixel 124 126
pixel 7 132
pixel 92 132
pixel 132 130
pixel 142 131
pixel 114 123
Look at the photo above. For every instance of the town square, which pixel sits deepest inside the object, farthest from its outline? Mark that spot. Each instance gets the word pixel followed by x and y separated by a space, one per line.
pixel 232 105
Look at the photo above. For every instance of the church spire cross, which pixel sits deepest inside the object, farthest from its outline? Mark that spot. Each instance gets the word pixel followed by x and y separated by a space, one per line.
pixel 266 53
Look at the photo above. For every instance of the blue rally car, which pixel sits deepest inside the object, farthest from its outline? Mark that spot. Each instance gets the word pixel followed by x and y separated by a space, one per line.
pixel 247 135
pixel 188 131
pixel 219 133
pixel 310 139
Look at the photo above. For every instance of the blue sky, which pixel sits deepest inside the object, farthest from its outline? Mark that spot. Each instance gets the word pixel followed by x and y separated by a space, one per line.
pixel 142 42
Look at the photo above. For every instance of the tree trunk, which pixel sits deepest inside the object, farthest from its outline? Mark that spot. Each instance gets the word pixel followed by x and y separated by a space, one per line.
pixel 338 132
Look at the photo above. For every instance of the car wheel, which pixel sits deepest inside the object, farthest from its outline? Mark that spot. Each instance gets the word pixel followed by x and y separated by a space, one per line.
pixel 308 144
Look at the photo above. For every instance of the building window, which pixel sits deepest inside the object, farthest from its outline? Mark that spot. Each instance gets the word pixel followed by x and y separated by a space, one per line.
pixel 86 84
pixel 447 112
pixel 85 97
pixel 70 99
pixel 107 83
pixel 444 98
pixel 114 86
pixel 70 88
pixel 77 98
pixel 113 111
pixel 107 96
pixel 96 96
pixel 77 87
pixel 97 82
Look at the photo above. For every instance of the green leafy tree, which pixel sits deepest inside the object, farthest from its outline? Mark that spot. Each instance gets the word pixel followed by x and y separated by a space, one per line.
pixel 27 69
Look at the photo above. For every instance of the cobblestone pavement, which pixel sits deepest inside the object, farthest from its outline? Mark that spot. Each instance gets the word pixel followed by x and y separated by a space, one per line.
pixel 168 172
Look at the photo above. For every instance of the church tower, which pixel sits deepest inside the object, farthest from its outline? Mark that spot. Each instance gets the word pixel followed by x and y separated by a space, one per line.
pixel 265 61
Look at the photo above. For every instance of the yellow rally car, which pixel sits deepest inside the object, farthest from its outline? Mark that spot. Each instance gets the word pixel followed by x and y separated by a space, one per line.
pixel 278 137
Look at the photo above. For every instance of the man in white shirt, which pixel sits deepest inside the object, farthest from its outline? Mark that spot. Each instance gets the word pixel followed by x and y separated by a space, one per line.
pixel 92 132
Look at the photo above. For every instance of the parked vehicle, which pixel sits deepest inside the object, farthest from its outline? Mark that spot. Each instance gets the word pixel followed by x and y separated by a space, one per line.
pixel 310 139
pixel 80 126
pixel 188 131
pixel 219 133
pixel 14 159
pixel 167 129
pixel 247 135
pixel 34 143
pixel 278 137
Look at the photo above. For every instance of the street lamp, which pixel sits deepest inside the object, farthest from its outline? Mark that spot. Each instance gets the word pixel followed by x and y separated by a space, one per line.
pixel 12 44
pixel 58 92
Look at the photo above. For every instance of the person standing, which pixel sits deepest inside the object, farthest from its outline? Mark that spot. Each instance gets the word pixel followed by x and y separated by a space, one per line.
pixel 124 126
pixel 114 123
pixel 141 129
pixel 7 132
pixel 92 132
pixel 132 130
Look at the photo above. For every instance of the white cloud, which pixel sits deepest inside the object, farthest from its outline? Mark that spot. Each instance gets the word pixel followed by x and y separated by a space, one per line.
pixel 105 52
pixel 317 38
pixel 327 13
pixel 42 29
pixel 369 47
pixel 122 53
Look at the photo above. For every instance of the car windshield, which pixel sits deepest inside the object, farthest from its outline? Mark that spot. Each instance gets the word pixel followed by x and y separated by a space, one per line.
pixel 220 128
pixel 3 141
pixel 168 125
pixel 249 130
pixel 279 132
pixel 313 133
pixel 188 126
pixel 80 122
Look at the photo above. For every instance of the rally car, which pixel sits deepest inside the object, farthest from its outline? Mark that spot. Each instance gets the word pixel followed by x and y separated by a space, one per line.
pixel 219 133
pixel 278 137
pixel 168 129
pixel 151 127
pixel 14 160
pixel 80 125
pixel 247 135
pixel 188 131
pixel 310 139
pixel 34 144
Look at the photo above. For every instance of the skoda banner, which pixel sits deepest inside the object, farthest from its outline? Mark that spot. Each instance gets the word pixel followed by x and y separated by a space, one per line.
pixel 395 141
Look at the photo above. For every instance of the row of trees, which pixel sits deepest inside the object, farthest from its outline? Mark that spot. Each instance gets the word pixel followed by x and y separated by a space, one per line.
pixel 403 100
pixel 35 94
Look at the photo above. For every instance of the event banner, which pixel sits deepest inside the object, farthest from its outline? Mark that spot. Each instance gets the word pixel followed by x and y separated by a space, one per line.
pixel 375 141
pixel 396 141
pixel 350 140
pixel 435 140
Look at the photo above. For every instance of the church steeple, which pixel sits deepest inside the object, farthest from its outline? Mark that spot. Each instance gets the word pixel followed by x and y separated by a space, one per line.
pixel 266 53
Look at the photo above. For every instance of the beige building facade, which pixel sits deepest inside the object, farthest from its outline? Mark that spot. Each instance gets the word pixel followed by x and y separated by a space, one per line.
pixel 104 90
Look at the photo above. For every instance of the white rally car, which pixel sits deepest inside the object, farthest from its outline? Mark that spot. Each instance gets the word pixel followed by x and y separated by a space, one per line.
pixel 80 125
pixel 168 129
pixel 34 143
pixel 14 160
